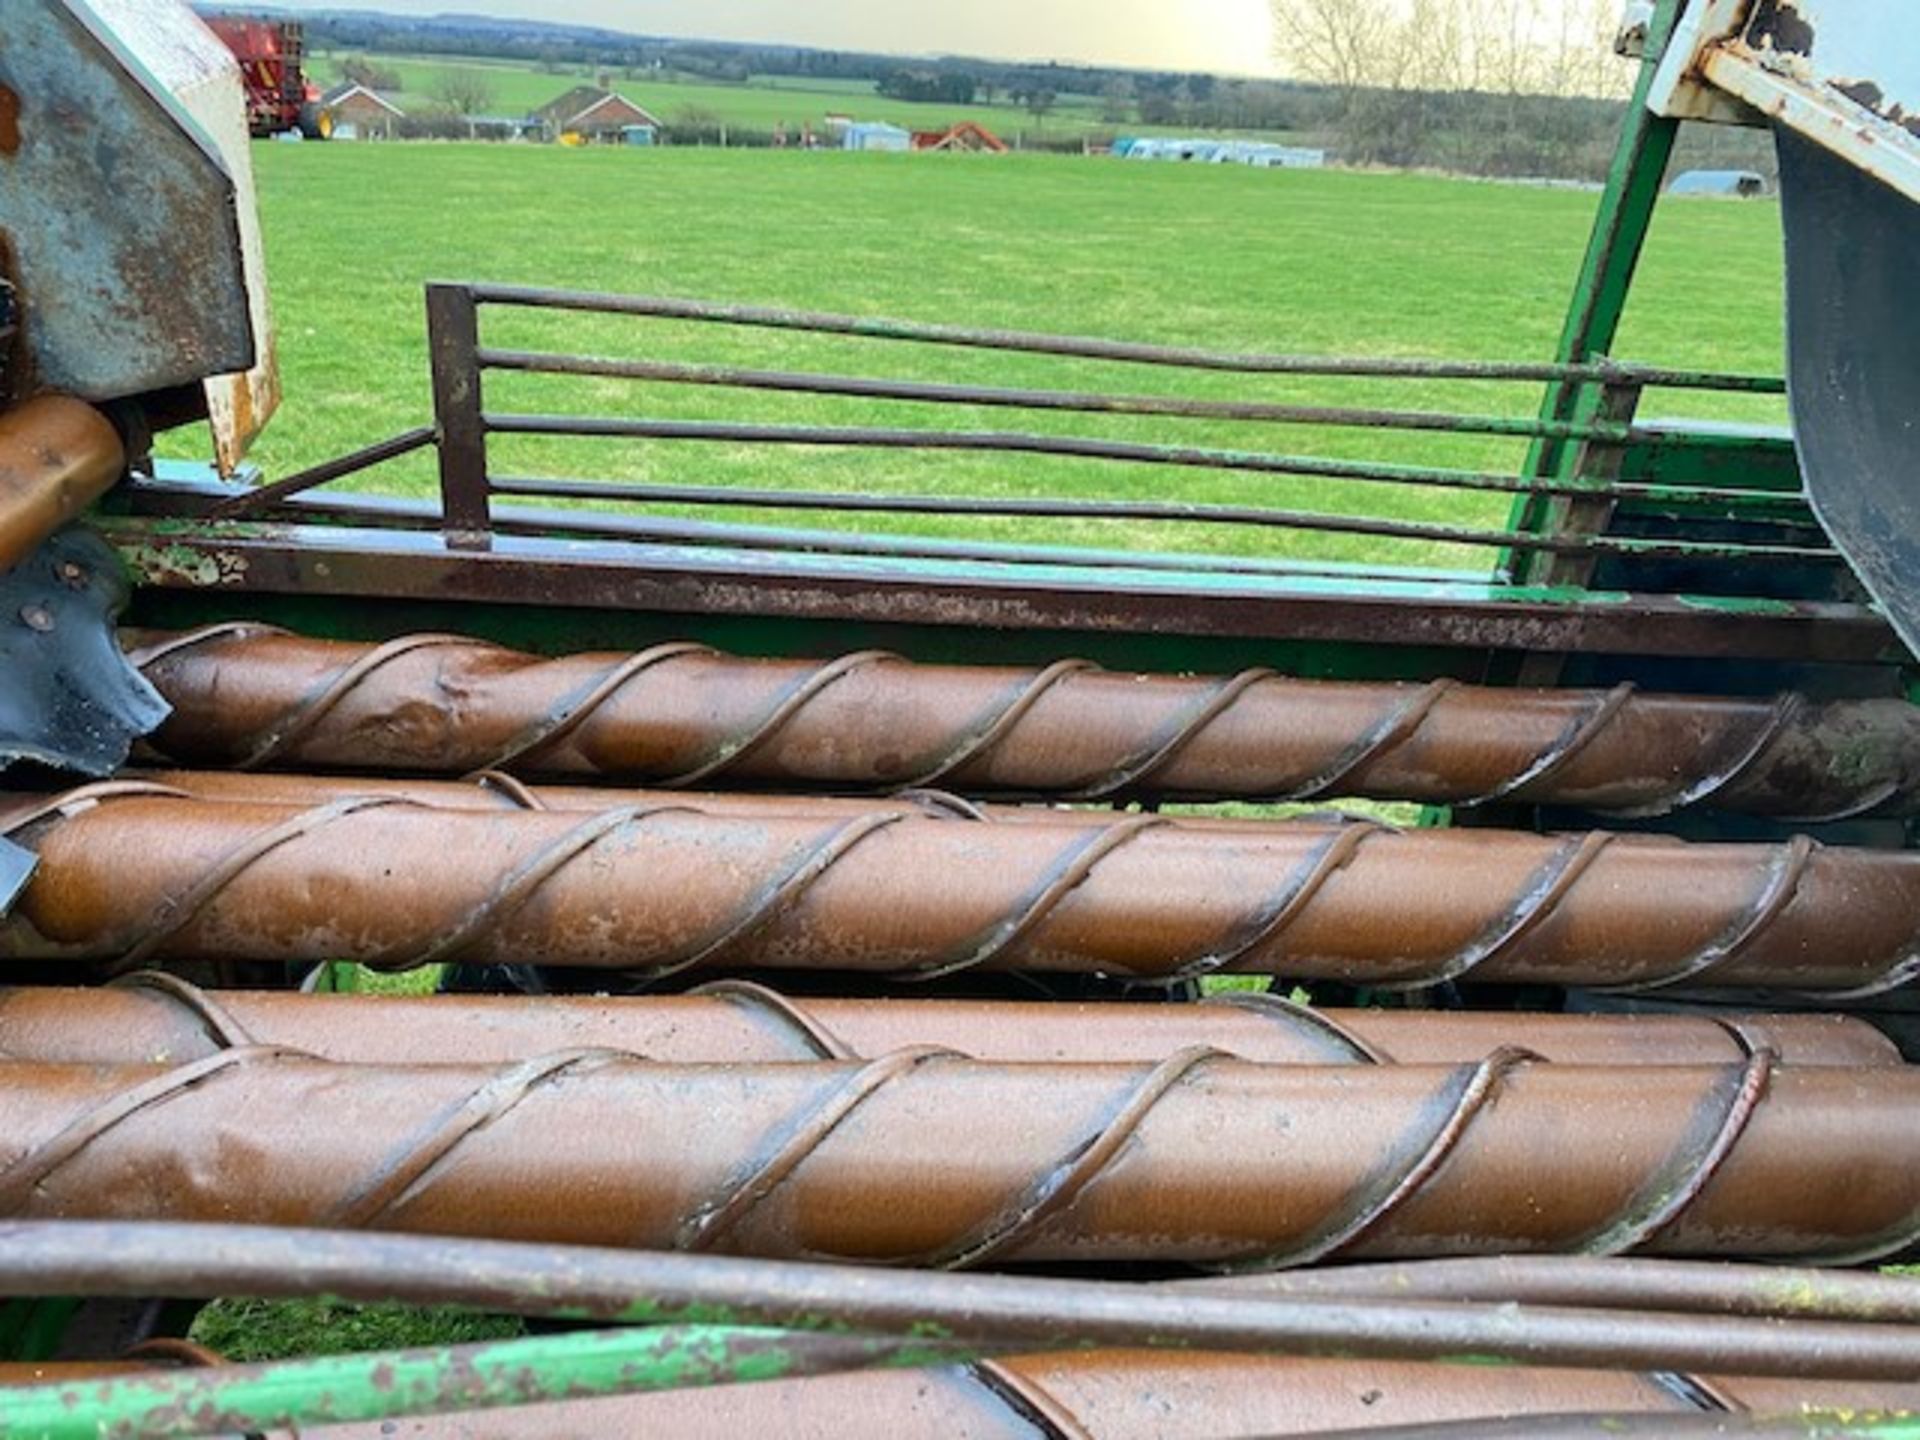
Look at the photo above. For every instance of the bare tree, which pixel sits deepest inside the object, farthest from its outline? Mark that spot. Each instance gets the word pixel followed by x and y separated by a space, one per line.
pixel 463 90
pixel 1342 44
pixel 1494 47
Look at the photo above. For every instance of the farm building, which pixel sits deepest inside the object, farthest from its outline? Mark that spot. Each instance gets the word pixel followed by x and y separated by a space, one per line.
pixel 968 137
pixel 360 114
pixel 876 135
pixel 1257 153
pixel 1738 184
pixel 594 114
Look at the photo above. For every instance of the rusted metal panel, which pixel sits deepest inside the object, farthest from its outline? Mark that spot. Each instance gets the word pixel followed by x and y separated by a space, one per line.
pixel 683 715
pixel 132 873
pixel 239 405
pixel 1844 74
pixel 122 211
pixel 157 1015
pixel 929 1159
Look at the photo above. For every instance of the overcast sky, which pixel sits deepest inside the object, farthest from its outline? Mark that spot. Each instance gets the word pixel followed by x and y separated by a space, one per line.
pixel 1232 36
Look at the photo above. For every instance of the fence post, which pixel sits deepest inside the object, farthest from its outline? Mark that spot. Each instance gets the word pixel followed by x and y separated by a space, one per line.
pixel 453 337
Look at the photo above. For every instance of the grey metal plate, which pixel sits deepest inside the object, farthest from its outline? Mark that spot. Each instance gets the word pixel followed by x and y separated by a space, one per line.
pixel 71 700
pixel 1853 331
pixel 119 213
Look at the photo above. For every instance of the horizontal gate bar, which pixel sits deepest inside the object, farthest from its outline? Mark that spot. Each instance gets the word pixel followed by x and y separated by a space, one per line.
pixel 667 308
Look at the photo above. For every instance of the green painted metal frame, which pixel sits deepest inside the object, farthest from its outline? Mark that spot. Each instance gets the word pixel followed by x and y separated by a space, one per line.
pixel 31 1330
pixel 1634 178
pixel 395 1385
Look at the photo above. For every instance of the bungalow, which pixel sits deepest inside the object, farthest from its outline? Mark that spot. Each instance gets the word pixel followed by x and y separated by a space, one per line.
pixel 594 114
pixel 360 114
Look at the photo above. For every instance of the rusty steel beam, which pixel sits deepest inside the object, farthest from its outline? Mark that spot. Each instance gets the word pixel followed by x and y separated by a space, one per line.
pixel 57 456
pixel 683 715
pixel 150 1016
pixel 1127 1395
pixel 134 873
pixel 926 1158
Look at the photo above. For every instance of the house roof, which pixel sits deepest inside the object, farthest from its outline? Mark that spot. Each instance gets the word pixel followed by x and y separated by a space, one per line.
pixel 579 104
pixel 958 136
pixel 340 94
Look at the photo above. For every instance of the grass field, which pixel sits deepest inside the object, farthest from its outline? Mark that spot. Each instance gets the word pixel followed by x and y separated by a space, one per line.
pixel 1220 256
pixel 760 104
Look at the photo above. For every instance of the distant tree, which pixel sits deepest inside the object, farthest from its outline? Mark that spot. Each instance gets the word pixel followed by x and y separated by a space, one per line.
pixel 1037 100
pixel 1117 101
pixel 464 90
pixel 359 70
pixel 1342 44
pixel 929 87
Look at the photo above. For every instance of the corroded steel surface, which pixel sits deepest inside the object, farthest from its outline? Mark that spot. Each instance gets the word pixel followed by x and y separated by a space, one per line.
pixel 1122 1395
pixel 926 1158
pixel 132 873
pixel 158 1016
pixel 682 715
pixel 57 456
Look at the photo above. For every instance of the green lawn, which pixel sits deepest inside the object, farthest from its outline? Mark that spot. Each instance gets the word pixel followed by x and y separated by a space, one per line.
pixel 1220 256
pixel 761 104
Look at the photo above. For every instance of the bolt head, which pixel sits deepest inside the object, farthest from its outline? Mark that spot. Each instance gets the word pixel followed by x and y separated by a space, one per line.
pixel 37 618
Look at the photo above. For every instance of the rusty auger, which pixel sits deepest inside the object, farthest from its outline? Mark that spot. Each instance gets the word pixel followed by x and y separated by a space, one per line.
pixel 682 715
pixel 151 1015
pixel 924 1158
pixel 135 873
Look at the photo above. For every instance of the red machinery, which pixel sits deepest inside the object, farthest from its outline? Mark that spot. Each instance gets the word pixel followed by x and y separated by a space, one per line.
pixel 272 56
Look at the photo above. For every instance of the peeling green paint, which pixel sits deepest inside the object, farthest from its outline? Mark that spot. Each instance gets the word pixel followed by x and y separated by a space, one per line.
pixel 397 1384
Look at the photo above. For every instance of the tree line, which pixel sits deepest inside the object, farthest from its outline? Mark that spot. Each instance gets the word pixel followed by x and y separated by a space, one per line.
pixel 1500 87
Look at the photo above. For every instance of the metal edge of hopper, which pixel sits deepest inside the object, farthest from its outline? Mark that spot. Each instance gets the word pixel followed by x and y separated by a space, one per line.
pixel 180 318
pixel 1853 326
pixel 239 404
